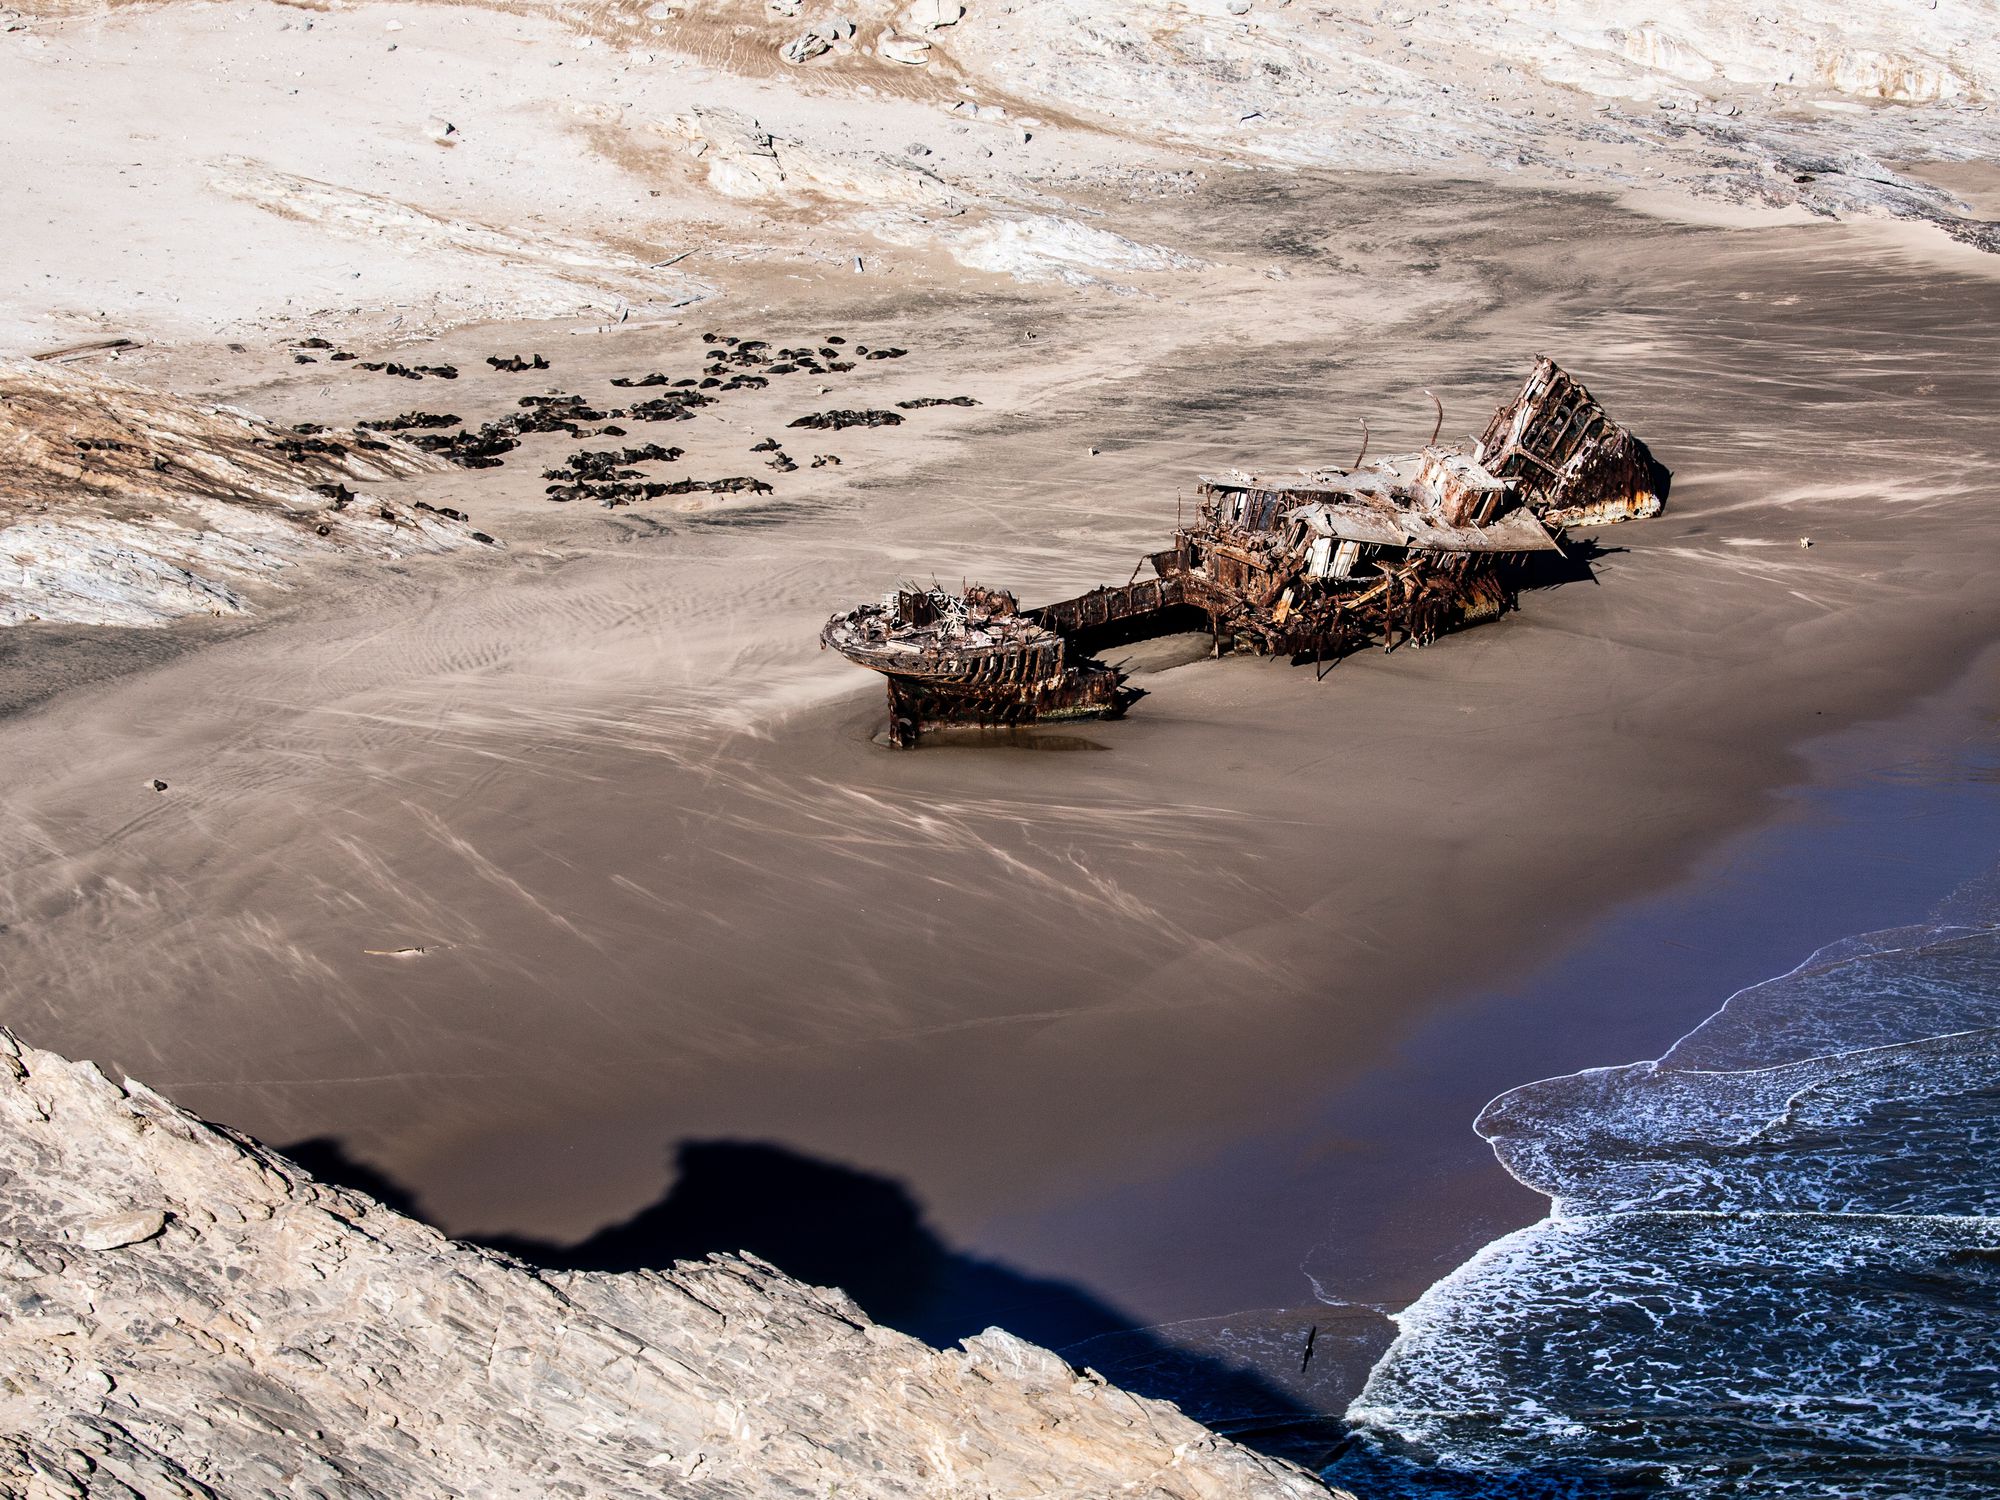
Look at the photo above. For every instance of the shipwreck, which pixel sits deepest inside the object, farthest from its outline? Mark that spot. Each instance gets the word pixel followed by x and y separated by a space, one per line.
pixel 1313 565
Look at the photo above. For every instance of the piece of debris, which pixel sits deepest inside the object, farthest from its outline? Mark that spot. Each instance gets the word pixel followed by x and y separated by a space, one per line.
pixel 1311 565
pixel 77 351
pixel 834 420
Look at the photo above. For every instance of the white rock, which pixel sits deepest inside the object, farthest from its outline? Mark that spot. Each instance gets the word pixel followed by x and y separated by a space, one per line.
pixel 804 47
pixel 115 1230
pixel 911 51
pixel 932 15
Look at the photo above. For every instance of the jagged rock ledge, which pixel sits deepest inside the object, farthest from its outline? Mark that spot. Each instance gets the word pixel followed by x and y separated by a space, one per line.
pixel 123 506
pixel 187 1313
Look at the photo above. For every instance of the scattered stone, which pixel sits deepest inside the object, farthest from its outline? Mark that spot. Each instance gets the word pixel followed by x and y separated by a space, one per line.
pixel 910 51
pixel 932 15
pixel 804 47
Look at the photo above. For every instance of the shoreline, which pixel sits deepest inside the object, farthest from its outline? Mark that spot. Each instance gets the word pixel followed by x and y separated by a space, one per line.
pixel 1666 1207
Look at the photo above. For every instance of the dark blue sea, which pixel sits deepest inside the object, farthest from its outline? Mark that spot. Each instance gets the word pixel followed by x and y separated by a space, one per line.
pixel 1770 1266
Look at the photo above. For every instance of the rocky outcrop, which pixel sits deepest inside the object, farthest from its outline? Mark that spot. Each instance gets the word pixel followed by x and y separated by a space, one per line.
pixel 121 506
pixel 189 1314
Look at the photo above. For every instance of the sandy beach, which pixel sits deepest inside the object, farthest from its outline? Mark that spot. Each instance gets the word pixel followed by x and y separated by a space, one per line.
pixel 565 892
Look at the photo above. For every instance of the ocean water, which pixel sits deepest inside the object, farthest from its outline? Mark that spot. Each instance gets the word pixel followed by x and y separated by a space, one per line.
pixel 1771 1264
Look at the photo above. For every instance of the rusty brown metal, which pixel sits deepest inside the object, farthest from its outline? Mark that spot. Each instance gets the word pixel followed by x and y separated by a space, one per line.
pixel 1311 565
pixel 1572 464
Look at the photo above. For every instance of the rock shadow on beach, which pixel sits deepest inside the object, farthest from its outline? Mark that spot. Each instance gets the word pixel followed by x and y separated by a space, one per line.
pixel 835 1225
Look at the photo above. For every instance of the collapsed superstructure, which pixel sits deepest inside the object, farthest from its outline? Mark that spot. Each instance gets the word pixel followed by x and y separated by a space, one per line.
pixel 1312 565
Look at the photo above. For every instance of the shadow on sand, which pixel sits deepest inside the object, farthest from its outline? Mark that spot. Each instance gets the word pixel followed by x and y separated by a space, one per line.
pixel 834 1225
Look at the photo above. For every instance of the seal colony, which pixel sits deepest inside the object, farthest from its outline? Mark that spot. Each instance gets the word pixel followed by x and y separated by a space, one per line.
pixel 1312 565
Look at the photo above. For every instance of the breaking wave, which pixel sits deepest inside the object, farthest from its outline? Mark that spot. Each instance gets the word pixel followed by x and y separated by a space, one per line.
pixel 1771 1264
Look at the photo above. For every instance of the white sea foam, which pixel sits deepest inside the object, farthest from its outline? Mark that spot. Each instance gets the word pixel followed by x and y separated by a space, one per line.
pixel 1772 1264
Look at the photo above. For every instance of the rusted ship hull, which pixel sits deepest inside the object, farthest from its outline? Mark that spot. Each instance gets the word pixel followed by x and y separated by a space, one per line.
pixel 1313 564
pixel 1092 690
pixel 1003 668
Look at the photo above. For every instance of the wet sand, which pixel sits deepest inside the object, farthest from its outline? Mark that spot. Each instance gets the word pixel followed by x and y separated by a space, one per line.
pixel 670 890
